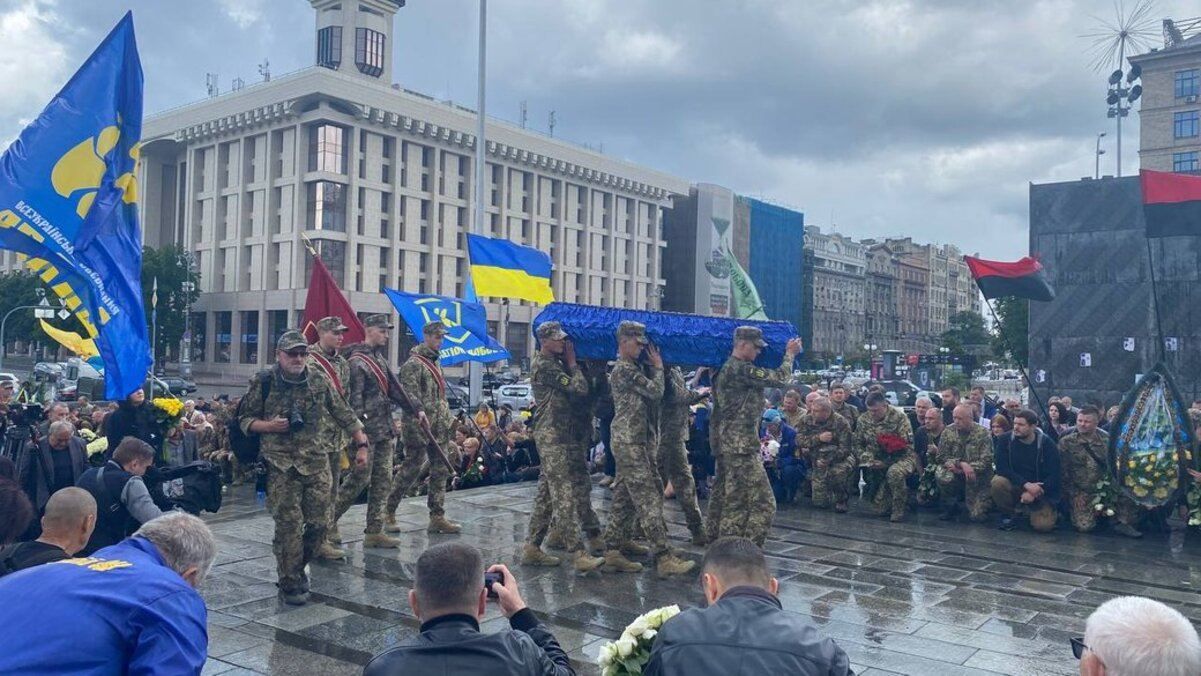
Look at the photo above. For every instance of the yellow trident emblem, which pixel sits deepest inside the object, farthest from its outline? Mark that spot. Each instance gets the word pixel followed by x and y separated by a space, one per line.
pixel 81 169
pixel 435 310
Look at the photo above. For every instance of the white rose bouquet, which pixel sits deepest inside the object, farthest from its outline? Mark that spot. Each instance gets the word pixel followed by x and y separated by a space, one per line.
pixel 629 654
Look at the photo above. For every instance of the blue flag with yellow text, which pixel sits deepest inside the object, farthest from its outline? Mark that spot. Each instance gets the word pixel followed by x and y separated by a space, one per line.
pixel 466 324
pixel 68 202
pixel 502 269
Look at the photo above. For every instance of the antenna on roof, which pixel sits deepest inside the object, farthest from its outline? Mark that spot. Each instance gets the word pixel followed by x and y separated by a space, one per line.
pixel 525 114
pixel 552 123
pixel 237 84
pixel 265 70
pixel 210 84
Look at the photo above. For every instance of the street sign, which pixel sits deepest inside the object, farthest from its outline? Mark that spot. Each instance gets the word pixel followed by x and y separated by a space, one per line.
pixel 63 314
pixel 43 313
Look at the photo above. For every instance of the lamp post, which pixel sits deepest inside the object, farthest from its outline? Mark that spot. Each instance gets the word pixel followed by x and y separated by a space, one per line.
pixel 185 357
pixel 1100 152
pixel 43 305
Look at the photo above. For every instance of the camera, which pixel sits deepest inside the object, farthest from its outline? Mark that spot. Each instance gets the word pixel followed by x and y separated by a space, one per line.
pixel 490 578
pixel 295 418
pixel 25 415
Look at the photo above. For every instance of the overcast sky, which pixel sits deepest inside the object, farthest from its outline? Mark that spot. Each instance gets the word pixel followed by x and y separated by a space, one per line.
pixel 927 118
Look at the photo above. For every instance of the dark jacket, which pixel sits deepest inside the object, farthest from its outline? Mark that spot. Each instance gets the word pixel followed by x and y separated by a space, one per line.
pixel 122 504
pixel 453 644
pixel 1017 464
pixel 745 633
pixel 132 421
pixel 37 469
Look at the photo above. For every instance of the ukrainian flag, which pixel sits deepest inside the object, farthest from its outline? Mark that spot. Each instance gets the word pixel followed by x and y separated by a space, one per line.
pixel 502 269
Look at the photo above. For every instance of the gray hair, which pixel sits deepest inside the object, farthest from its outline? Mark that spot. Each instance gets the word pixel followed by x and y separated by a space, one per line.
pixel 1136 636
pixel 928 400
pixel 61 426
pixel 822 403
pixel 183 540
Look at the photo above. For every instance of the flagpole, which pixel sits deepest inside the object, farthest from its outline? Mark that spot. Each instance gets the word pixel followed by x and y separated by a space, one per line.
pixel 474 372
pixel 1155 302
pixel 1021 367
pixel 153 335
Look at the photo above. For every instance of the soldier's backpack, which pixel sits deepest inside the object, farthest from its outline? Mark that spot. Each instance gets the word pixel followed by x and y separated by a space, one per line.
pixel 194 488
pixel 246 446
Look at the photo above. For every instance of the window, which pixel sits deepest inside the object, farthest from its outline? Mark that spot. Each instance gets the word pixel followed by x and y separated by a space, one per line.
pixel 369 51
pixel 250 337
pixel 329 47
pixel 327 148
pixel 199 327
pixel 1184 162
pixel 1185 124
pixel 277 323
pixel 327 206
pixel 1186 83
pixel 333 254
pixel 224 337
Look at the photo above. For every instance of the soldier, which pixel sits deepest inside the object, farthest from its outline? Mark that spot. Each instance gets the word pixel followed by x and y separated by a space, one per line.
pixel 884 444
pixel 421 376
pixel 287 408
pixel 1084 456
pixel 368 393
pixel 963 465
pixel 838 399
pixel 742 503
pixel 637 492
pixel 555 378
pixel 792 410
pixel 597 377
pixel 673 456
pixel 827 438
pixel 325 362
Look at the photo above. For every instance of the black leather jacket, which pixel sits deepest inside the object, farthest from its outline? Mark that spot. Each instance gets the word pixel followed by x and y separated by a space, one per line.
pixel 745 633
pixel 453 644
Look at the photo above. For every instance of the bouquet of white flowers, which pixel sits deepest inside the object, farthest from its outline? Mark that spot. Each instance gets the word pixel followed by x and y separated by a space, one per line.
pixel 629 654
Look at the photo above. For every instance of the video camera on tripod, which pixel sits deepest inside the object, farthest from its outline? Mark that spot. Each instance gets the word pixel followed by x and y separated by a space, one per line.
pixel 20 427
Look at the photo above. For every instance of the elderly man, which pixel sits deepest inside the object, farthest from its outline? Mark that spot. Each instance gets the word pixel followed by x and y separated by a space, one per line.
pixel 826 439
pixel 130 609
pixel 963 466
pixel 56 462
pixel 66 527
pixel 1012 407
pixel 917 417
pixel 1135 636
pixel 884 445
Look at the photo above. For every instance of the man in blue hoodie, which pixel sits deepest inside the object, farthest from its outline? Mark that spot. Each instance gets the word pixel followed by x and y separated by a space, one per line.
pixel 744 629
pixel 131 608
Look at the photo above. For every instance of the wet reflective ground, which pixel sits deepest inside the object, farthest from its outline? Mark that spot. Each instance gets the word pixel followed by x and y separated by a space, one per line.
pixel 923 597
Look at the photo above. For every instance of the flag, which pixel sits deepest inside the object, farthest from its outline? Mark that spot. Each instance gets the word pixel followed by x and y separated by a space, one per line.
pixel 1023 279
pixel 1171 203
pixel 466 324
pixel 325 299
pixel 747 304
pixel 502 269
pixel 68 204
pixel 83 347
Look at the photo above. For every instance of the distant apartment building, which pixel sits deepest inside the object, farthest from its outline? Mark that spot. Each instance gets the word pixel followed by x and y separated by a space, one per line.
pixel 1170 112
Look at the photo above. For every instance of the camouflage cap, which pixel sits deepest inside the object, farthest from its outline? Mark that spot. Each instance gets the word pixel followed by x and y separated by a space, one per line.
pixel 752 333
pixel 634 330
pixel 551 331
pixel 435 328
pixel 331 324
pixel 379 322
pixel 292 341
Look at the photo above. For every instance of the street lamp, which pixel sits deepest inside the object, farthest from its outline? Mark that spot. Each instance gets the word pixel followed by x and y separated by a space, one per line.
pixel 185 359
pixel 42 306
pixel 1100 152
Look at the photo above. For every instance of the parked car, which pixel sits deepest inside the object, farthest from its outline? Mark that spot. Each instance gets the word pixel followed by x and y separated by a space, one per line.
pixel 178 386
pixel 457 397
pixel 519 396
pixel 11 377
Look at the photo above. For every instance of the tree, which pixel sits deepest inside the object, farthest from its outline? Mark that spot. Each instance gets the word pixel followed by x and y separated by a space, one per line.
pixel 171 266
pixel 21 288
pixel 1013 315
pixel 965 330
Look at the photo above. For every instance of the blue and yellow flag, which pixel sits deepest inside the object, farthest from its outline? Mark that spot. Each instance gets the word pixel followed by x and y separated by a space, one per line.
pixel 502 269
pixel 68 202
pixel 466 325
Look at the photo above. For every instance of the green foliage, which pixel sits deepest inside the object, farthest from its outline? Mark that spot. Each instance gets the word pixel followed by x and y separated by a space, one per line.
pixel 956 379
pixel 170 265
pixel 965 329
pixel 21 288
pixel 1013 330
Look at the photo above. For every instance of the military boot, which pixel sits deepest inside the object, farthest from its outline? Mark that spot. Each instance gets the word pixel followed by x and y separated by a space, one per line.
pixel 949 512
pixel 841 507
pixel 670 564
pixel 616 563
pixel 332 535
pixel 380 541
pixel 553 542
pixel 595 545
pixel 296 597
pixel 330 552
pixel 439 524
pixel 631 548
pixel 390 525
pixel 532 555
pixel 583 562
pixel 1127 530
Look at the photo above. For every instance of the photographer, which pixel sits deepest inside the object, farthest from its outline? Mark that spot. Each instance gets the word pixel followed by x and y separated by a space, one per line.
pixel 449 599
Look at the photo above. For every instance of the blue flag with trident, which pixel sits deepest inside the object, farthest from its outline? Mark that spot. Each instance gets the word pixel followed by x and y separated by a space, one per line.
pixel 68 202
pixel 466 325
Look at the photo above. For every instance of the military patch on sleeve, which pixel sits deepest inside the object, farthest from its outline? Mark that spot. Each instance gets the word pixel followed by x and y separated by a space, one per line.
pixel 759 372
pixel 564 380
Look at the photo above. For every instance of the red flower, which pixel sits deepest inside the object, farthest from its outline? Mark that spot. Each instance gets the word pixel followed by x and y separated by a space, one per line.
pixel 891 443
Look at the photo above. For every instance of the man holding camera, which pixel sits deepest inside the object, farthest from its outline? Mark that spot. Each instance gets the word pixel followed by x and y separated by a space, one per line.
pixel 289 419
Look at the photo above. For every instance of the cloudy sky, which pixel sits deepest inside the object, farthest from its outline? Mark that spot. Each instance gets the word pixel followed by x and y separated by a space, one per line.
pixel 884 117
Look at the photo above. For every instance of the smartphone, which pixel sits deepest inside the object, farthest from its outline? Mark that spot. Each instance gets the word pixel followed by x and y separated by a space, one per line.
pixel 489 578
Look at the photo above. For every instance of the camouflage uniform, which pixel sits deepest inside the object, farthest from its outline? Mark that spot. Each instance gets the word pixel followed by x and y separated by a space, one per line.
pixel 556 505
pixel 368 396
pixel 427 388
pixel 1083 460
pixel 742 502
pixel 334 439
pixel 637 490
pixel 974 448
pixel 829 482
pixel 794 418
pixel 673 456
pixel 298 477
pixel 890 490
pixel 846 410
pixel 577 460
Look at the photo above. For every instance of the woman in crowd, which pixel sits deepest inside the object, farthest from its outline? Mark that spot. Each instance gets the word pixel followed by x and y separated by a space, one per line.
pixel 1056 424
pixel 484 417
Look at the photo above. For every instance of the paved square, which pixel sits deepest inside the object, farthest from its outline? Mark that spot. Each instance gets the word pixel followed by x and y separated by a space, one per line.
pixel 922 597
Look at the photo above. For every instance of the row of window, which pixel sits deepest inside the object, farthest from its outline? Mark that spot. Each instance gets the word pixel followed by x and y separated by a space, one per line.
pixel 369 49
pixel 1188 83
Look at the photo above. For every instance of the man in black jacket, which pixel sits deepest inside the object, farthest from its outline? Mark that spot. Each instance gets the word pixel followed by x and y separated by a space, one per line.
pixel 744 629
pixel 122 501
pixel 1027 475
pixel 449 597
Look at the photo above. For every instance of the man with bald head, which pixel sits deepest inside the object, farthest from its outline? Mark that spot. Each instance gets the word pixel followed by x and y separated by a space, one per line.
pixel 66 527
pixel 963 465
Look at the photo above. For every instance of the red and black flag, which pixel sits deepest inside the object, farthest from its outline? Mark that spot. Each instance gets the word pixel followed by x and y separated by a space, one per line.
pixel 325 299
pixel 1022 279
pixel 1171 203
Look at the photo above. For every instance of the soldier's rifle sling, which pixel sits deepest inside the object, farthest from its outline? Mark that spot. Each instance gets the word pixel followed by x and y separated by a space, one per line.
pixel 430 441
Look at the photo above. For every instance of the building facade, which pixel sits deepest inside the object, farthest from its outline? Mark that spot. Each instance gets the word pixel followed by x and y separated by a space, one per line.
pixel 777 256
pixel 702 225
pixel 380 181
pixel 1170 107
pixel 835 271
pixel 882 321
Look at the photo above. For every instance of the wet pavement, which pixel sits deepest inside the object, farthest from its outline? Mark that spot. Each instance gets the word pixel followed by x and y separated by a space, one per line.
pixel 922 597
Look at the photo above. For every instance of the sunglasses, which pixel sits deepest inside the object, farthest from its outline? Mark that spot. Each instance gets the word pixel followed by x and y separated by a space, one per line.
pixel 1078 646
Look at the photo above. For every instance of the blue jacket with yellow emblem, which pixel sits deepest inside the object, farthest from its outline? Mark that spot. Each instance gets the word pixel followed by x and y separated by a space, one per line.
pixel 120 611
